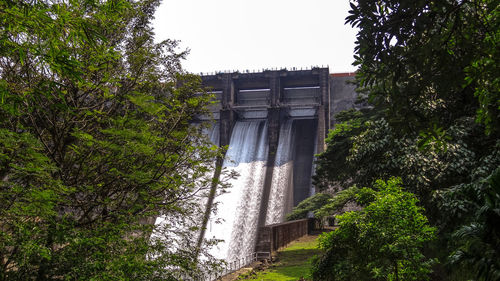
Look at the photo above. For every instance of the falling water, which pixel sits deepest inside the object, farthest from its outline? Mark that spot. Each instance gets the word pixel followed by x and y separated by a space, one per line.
pixel 282 181
pixel 213 133
pixel 239 208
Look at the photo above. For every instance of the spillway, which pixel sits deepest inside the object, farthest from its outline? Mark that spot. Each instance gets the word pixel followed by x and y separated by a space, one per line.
pixel 292 169
pixel 239 207
pixel 282 180
pixel 213 133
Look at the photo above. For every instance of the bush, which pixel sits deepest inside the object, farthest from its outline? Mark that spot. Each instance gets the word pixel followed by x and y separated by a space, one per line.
pixel 381 242
pixel 310 204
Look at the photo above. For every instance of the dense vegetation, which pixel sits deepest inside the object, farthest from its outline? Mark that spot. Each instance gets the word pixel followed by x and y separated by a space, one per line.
pixel 95 143
pixel 393 224
pixel 429 72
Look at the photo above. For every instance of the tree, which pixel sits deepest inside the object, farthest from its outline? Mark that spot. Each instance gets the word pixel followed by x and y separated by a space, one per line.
pixel 383 241
pixel 333 169
pixel 429 63
pixel 358 197
pixel 310 204
pixel 95 142
pixel 477 240
pixel 427 68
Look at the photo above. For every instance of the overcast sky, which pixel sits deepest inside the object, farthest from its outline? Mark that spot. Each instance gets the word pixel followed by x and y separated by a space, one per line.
pixel 245 35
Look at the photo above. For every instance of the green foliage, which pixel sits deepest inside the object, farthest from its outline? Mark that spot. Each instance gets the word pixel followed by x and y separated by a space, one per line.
pixel 476 242
pixel 426 62
pixel 383 241
pixel 483 69
pixel 430 71
pixel 310 204
pixel 353 194
pixel 95 142
pixel 332 163
pixel 378 151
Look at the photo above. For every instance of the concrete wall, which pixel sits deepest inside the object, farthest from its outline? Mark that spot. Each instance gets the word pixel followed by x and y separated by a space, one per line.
pixel 303 154
pixel 342 94
pixel 298 93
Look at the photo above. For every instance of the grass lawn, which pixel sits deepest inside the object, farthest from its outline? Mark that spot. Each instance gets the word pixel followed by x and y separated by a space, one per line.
pixel 293 261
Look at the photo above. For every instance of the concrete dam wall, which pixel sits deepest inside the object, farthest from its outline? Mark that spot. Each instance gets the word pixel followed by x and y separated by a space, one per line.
pixel 273 123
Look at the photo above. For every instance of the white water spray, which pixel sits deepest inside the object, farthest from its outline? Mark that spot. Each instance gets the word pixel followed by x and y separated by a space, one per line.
pixel 282 181
pixel 239 208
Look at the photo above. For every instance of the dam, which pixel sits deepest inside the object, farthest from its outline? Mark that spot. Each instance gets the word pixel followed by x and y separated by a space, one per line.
pixel 273 123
